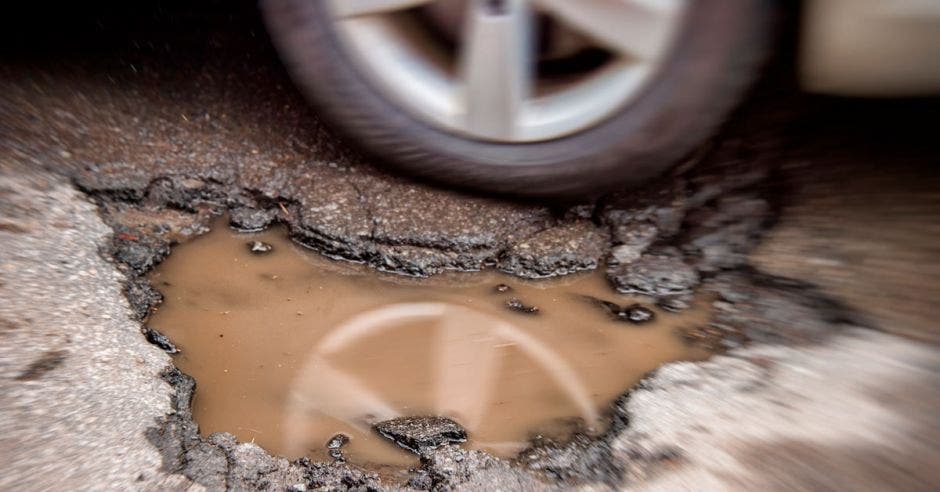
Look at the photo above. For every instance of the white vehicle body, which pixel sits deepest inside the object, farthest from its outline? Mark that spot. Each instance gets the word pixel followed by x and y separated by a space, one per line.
pixel 871 48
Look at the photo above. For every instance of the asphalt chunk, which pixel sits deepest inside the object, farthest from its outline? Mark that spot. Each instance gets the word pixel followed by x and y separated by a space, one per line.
pixel 661 274
pixel 160 340
pixel 418 434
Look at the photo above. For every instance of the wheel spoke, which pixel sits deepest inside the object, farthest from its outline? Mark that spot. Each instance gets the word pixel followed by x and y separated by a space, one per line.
pixel 353 8
pixel 467 367
pixel 640 29
pixel 496 65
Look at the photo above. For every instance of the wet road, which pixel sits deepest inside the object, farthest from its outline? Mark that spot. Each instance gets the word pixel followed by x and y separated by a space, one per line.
pixel 188 113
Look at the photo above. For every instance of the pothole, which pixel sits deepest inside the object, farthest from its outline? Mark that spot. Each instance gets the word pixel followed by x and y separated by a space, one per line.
pixel 290 350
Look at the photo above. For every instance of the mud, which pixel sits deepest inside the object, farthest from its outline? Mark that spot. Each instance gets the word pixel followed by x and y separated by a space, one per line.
pixel 290 349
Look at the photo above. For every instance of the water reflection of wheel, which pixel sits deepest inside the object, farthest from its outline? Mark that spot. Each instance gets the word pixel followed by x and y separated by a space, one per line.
pixel 465 376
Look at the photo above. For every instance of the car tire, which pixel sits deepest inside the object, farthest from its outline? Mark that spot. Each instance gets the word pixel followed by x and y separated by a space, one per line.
pixel 716 57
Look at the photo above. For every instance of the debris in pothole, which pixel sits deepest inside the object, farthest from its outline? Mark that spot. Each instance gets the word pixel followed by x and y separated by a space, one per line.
pixel 160 340
pixel 518 306
pixel 771 309
pixel 453 468
pixel 660 204
pixel 447 346
pixel 138 250
pixel 661 275
pixel 259 247
pixel 722 235
pixel 249 219
pixel 335 446
pixel 142 296
pixel 502 288
pixel 634 240
pixel 676 303
pixel 421 480
pixel 560 250
pixel 633 313
pixel 638 314
pixel 418 434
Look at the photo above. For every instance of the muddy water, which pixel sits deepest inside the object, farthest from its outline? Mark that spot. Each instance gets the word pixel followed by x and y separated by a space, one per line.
pixel 289 349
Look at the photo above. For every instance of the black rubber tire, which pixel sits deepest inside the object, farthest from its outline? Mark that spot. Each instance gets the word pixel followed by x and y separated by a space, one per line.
pixel 717 56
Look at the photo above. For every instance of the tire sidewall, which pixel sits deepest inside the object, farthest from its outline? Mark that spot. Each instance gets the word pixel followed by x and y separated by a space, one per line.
pixel 709 66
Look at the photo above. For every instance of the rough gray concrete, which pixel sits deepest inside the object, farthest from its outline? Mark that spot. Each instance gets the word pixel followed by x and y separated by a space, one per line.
pixel 77 386
pixel 857 412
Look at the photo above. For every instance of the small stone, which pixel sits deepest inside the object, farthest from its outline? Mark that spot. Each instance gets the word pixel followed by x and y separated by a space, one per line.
pixel 502 288
pixel 418 434
pixel 259 247
pixel 634 313
pixel 160 340
pixel 335 445
pixel 337 441
pixel 638 314
pixel 518 306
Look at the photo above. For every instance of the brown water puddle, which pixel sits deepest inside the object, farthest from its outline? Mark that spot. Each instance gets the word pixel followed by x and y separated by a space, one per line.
pixel 289 348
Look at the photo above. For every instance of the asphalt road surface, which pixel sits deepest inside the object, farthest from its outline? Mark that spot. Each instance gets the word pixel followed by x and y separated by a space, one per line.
pixel 812 223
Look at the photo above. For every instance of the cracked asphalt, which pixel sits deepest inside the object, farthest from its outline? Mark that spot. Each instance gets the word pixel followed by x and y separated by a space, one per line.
pixel 810 221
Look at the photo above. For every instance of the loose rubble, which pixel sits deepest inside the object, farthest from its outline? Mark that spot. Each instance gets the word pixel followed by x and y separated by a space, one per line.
pixel 420 434
pixel 661 274
pixel 335 446
pixel 160 340
pixel 520 307
pixel 259 247
pixel 634 313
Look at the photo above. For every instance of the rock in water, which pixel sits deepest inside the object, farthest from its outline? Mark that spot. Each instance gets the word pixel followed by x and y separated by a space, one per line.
pixel 335 447
pixel 520 307
pixel 634 313
pixel 417 434
pixel 259 247
pixel 638 314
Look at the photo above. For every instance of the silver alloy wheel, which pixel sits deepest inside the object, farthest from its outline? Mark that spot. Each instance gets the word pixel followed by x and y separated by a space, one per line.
pixel 489 88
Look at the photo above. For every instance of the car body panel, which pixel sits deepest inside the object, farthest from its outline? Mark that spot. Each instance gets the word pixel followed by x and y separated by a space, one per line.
pixel 871 48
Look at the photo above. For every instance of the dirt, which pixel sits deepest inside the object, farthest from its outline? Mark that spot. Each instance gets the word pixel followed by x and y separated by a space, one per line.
pixel 289 349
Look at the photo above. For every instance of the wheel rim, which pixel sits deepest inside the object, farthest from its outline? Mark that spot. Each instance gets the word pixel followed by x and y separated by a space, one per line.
pixel 489 84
